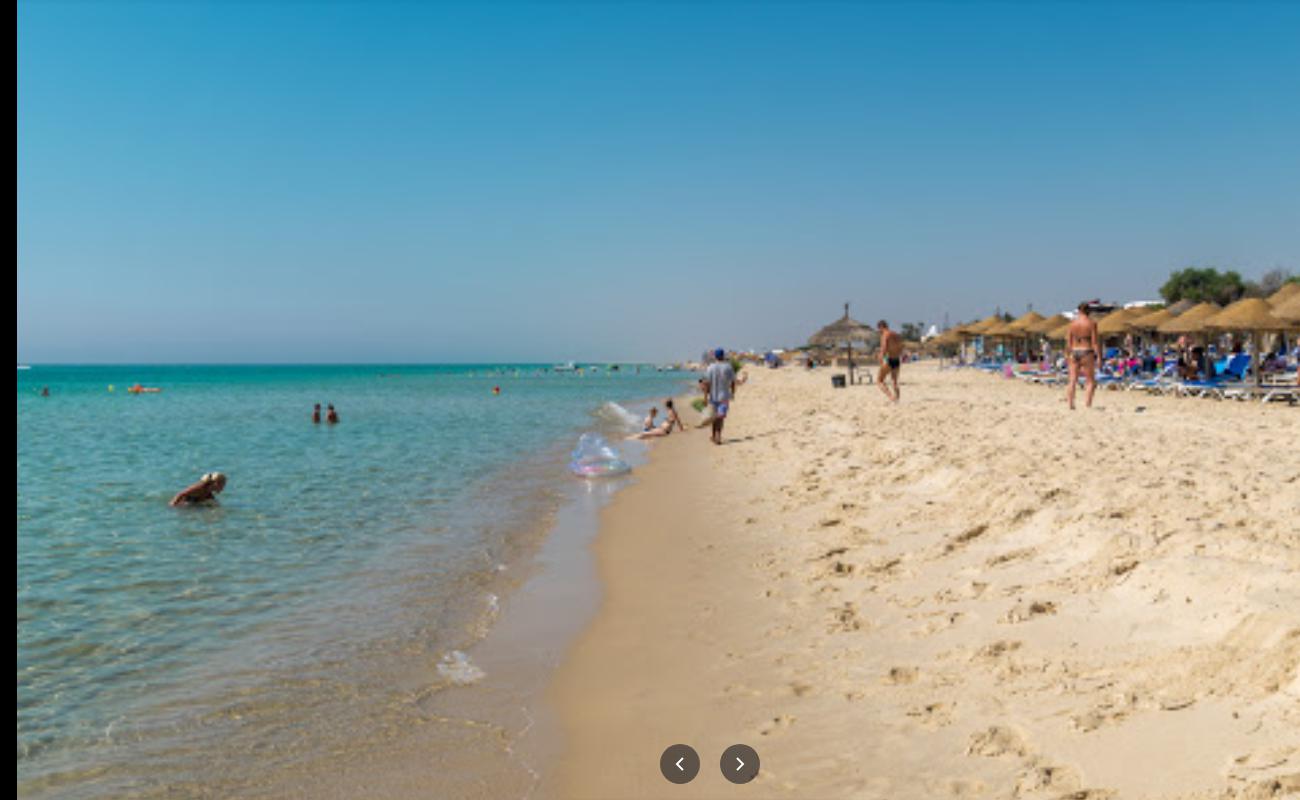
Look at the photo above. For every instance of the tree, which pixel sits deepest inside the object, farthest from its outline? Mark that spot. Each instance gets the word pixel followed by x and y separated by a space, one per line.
pixel 1269 282
pixel 912 331
pixel 1203 284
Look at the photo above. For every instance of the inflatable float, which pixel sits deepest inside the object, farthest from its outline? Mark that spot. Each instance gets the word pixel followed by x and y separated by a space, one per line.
pixel 595 458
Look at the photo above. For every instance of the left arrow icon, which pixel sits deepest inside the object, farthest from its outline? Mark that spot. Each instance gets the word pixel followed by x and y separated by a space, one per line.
pixel 679 763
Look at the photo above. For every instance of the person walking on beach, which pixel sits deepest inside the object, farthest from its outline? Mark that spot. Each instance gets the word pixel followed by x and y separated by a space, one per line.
pixel 1084 354
pixel 721 379
pixel 891 360
pixel 204 491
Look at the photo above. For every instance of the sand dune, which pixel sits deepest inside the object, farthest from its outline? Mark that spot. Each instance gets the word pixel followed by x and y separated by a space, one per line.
pixel 973 593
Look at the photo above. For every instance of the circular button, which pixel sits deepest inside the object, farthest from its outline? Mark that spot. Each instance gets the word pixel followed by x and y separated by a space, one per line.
pixel 739 763
pixel 680 763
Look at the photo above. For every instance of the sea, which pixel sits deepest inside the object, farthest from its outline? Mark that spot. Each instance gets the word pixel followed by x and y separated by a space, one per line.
pixel 320 627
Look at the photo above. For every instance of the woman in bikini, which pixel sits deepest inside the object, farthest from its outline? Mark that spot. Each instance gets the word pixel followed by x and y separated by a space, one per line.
pixel 1085 353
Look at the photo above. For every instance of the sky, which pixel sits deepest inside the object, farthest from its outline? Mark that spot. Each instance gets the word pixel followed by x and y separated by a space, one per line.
pixel 415 182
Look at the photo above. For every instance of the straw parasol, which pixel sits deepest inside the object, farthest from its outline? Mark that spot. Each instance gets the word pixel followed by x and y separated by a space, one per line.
pixel 1117 322
pixel 1023 323
pixel 1190 321
pixel 1150 321
pixel 981 327
pixel 1048 325
pixel 1059 333
pixel 1289 310
pixel 844 332
pixel 1253 315
pixel 1288 290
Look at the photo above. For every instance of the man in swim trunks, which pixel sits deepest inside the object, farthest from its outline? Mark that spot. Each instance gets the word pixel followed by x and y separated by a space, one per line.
pixel 1084 353
pixel 205 491
pixel 891 360
pixel 721 379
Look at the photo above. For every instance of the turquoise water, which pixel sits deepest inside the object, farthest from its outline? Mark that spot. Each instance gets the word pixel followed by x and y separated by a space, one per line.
pixel 157 646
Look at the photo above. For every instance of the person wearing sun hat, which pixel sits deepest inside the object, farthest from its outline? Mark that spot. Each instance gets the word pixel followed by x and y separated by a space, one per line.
pixel 204 491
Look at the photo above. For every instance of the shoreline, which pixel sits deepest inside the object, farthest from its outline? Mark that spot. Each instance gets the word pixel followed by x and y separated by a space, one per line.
pixel 973 593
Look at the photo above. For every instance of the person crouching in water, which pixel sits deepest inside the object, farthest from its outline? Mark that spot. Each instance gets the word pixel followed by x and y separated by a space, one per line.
pixel 205 491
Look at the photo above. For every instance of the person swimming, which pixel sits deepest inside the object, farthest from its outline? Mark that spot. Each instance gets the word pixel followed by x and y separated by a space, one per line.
pixel 204 491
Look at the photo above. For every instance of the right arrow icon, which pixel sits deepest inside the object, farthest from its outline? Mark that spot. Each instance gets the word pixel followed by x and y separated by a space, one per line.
pixel 739 763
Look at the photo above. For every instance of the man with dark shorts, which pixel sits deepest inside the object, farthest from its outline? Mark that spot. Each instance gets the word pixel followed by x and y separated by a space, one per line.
pixel 891 360
pixel 721 380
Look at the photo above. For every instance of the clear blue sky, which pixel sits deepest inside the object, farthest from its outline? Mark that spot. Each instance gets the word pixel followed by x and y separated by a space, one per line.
pixel 419 182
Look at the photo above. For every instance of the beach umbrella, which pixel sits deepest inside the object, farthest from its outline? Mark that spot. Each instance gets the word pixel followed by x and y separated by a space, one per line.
pixel 845 332
pixel 1288 290
pixel 1150 321
pixel 1289 310
pixel 1025 321
pixel 1117 322
pixel 1252 315
pixel 1059 333
pixel 1047 325
pixel 1190 321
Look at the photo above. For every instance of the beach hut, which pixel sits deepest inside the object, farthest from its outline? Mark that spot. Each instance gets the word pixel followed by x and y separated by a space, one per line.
pixel 1252 315
pixel 844 333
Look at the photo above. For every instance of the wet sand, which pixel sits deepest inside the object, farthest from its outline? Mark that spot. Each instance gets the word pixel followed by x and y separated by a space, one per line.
pixel 974 593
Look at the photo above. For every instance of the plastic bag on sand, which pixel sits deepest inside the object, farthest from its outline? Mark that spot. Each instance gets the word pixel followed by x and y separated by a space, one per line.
pixel 595 458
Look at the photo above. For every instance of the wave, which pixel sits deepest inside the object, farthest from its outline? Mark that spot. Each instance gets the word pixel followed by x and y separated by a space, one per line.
pixel 616 416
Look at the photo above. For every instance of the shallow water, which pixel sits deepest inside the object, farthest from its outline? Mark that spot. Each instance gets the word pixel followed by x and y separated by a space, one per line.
pixel 319 605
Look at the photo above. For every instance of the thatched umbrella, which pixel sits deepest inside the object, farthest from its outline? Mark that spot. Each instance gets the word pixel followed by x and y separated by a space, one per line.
pixel 1192 321
pixel 1117 322
pixel 1048 325
pixel 844 332
pixel 1289 310
pixel 1150 321
pixel 1059 333
pixel 1025 321
pixel 1288 291
pixel 975 329
pixel 1253 315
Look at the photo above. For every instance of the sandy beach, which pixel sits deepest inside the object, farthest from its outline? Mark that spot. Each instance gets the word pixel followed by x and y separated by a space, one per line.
pixel 974 593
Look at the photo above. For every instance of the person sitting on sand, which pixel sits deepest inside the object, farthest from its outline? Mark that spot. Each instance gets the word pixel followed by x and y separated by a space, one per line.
pixel 204 491
pixel 315 414
pixel 671 420
pixel 891 360
pixel 1085 353
pixel 331 416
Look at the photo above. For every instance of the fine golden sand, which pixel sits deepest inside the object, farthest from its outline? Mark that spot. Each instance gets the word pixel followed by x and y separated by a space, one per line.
pixel 974 593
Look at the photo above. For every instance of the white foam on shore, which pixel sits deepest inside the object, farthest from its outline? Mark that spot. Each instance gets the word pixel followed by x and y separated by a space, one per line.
pixel 617 415
pixel 459 670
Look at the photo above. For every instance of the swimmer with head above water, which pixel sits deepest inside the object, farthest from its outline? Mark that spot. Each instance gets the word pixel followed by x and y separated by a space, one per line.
pixel 204 491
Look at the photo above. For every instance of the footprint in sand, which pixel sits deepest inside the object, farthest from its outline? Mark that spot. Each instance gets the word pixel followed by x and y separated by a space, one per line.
pixel 997 741
pixel 1025 611
pixel 899 676
pixel 778 725
pixel 932 715
pixel 845 619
